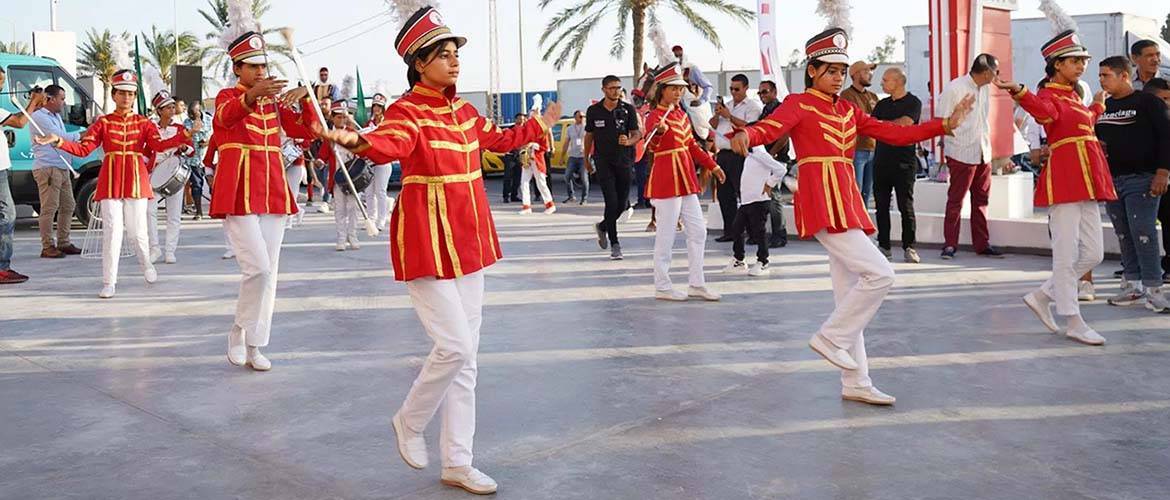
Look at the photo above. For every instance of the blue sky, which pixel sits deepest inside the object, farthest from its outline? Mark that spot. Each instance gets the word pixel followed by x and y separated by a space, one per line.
pixel 373 51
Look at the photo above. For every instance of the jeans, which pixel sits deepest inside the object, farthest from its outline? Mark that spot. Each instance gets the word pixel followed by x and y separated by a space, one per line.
pixel 776 214
pixel 576 168
pixel 641 175
pixel 196 180
pixel 7 221
pixel 863 173
pixel 728 192
pixel 896 179
pixel 1133 216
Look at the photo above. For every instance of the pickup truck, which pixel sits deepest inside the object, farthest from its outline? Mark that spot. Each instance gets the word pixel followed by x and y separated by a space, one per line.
pixel 27 72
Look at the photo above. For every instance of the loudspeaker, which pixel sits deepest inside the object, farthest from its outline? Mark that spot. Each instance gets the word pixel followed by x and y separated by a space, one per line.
pixel 188 83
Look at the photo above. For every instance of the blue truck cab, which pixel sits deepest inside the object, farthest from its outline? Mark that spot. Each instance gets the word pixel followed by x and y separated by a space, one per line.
pixel 27 72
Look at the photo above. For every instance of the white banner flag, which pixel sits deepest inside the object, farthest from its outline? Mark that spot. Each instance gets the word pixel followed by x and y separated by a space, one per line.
pixel 769 63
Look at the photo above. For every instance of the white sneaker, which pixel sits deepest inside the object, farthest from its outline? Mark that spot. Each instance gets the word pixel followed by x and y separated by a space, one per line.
pixel 1085 335
pixel 155 254
pixel 324 209
pixel 1156 300
pixel 1086 292
pixel 759 269
pixel 672 295
pixel 228 255
pixel 1041 306
pixel 1131 294
pixel 627 215
pixel 870 395
pixel 835 355
pixel 257 361
pixel 411 447
pixel 735 267
pixel 237 351
pixel 469 478
pixel 552 209
pixel 170 258
pixel 703 293
pixel 910 255
pixel 340 246
pixel 354 244
pixel 525 211
pixel 150 274
pixel 107 292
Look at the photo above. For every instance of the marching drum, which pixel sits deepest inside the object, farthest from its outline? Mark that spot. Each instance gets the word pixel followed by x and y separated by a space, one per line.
pixel 362 173
pixel 291 152
pixel 169 176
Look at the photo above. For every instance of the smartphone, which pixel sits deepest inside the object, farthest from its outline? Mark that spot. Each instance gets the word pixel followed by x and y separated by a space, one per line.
pixel 721 101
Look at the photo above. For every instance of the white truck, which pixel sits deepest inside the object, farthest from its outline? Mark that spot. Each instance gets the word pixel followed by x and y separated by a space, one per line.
pixel 1105 35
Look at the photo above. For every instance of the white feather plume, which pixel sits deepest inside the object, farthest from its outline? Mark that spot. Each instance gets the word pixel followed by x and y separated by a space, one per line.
pixel 401 10
pixel 837 13
pixel 120 51
pixel 661 48
pixel 381 86
pixel 240 20
pixel 152 81
pixel 1060 19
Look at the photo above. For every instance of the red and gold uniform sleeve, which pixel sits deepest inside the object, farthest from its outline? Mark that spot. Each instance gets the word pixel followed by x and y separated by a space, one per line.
pixel 90 141
pixel 1040 107
pixel 700 155
pixel 154 142
pixel 394 139
pixel 898 135
pixel 492 138
pixel 230 109
pixel 209 156
pixel 298 126
pixel 652 122
pixel 776 125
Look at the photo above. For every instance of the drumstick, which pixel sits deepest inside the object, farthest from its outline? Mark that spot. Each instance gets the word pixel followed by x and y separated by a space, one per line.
pixel 287 33
pixel 42 133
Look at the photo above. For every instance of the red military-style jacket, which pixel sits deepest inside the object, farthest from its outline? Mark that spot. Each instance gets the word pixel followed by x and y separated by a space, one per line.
pixel 249 175
pixel 175 129
pixel 1077 169
pixel 675 154
pixel 824 130
pixel 442 225
pixel 125 138
pixel 541 146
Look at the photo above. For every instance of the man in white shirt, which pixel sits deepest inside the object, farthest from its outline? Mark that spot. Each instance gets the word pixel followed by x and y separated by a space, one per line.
pixel 7 208
pixel 738 114
pixel 1147 61
pixel 575 134
pixel 968 157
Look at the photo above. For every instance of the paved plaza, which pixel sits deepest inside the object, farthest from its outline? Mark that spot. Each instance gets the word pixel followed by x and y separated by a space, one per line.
pixel 588 388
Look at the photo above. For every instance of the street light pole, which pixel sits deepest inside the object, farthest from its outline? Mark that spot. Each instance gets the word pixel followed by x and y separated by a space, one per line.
pixel 53 15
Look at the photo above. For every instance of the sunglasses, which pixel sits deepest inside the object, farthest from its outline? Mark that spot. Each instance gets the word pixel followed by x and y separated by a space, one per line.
pixel 612 88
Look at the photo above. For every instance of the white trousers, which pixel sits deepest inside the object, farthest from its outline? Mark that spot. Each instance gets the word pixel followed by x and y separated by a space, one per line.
pixel 1076 249
pixel 668 212
pixel 377 201
pixel 526 175
pixel 861 278
pixel 346 214
pixel 256 240
pixel 174 221
pixel 451 312
pixel 295 175
pixel 116 214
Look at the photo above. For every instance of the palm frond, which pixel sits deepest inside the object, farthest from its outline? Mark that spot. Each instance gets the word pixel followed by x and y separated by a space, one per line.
pixel 701 26
pixel 618 48
pixel 568 14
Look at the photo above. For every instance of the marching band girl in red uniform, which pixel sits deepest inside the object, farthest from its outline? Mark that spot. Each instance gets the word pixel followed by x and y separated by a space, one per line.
pixel 346 214
pixel 123 182
pixel 441 234
pixel 1073 183
pixel 824 130
pixel 673 188
pixel 164 106
pixel 378 201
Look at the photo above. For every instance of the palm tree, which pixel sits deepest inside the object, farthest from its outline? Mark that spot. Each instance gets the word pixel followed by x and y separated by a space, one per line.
pixel 217 16
pixel 96 58
pixel 14 47
pixel 160 51
pixel 567 33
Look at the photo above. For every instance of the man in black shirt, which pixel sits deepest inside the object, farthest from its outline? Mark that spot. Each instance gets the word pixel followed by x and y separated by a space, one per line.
pixel 512 167
pixel 1134 130
pixel 894 167
pixel 779 151
pixel 611 130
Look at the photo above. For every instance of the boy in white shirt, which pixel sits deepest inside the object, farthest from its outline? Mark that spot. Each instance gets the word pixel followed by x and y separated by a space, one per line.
pixel 761 174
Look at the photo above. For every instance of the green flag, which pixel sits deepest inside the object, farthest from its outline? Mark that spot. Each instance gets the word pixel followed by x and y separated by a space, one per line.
pixel 361 116
pixel 138 70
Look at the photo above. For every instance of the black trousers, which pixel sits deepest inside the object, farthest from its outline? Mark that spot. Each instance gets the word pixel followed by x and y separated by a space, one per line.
pixel 751 217
pixel 728 192
pixel 614 176
pixel 894 179
pixel 511 178
pixel 1164 218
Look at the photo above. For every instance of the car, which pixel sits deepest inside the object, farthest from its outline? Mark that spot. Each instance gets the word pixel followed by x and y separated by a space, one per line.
pixel 28 72
pixel 493 163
